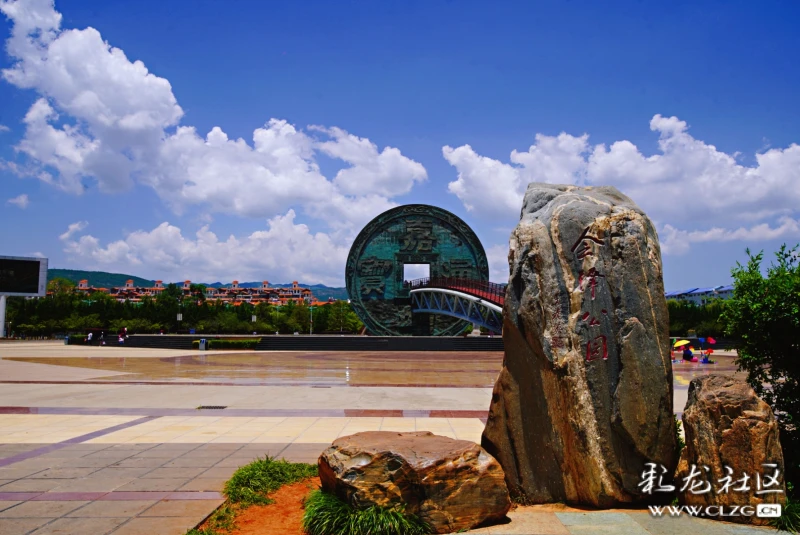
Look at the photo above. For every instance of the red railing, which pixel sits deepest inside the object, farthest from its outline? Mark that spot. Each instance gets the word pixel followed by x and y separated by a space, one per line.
pixel 491 291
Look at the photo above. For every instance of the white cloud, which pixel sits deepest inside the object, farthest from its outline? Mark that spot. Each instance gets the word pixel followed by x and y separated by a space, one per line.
pixel 282 252
pixel 387 173
pixel 497 255
pixel 4 128
pixel 689 182
pixel 121 125
pixel 677 241
pixel 20 200
pixel 78 226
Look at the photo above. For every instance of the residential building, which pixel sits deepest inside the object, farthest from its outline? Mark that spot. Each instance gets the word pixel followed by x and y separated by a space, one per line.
pixel 233 293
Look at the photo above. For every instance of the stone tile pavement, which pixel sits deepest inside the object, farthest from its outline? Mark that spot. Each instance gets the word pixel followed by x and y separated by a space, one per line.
pixel 160 489
pixel 101 458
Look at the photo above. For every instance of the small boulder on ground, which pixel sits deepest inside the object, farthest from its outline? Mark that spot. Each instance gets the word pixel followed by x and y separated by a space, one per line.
pixel 733 454
pixel 450 484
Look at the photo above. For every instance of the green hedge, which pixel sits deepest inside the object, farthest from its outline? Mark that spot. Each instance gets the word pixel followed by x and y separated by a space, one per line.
pixel 248 343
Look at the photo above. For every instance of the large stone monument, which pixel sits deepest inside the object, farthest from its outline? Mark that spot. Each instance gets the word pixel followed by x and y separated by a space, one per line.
pixel 584 398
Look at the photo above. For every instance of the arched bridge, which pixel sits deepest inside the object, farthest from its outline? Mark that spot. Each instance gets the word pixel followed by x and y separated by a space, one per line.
pixel 477 301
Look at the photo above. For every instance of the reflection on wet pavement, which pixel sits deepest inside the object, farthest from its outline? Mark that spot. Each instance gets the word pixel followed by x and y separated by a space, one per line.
pixel 461 369
pixel 684 372
pixel 453 369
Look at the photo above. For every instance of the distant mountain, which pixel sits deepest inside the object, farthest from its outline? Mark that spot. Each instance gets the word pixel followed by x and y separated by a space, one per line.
pixel 101 279
pixel 98 279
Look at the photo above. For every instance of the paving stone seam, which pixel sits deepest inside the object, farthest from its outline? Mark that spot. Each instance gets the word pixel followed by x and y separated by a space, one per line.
pixel 253 413
pixel 76 440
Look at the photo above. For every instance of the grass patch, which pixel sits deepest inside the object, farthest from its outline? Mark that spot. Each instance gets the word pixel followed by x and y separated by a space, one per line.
pixel 250 485
pixel 328 515
pixel 790 517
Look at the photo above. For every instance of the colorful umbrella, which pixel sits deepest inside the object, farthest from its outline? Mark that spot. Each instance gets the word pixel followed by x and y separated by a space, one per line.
pixel 711 340
pixel 680 343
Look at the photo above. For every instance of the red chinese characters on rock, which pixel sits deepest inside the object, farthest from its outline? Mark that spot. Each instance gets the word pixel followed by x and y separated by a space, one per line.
pixel 583 247
pixel 596 346
pixel 589 279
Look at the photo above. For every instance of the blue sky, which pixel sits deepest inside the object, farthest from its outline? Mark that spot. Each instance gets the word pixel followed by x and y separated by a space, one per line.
pixel 119 150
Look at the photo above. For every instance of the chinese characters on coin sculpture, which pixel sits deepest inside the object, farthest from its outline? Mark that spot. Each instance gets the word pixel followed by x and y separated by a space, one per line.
pixel 410 234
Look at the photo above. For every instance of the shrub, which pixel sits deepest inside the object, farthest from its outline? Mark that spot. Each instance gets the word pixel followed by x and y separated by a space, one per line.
pixel 678 437
pixel 247 343
pixel 764 316
pixel 76 340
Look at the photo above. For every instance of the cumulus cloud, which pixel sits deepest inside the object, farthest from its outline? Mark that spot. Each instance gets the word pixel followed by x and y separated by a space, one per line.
pixel 105 119
pixel 20 200
pixel 284 251
pixel 689 182
pixel 386 173
pixel 4 128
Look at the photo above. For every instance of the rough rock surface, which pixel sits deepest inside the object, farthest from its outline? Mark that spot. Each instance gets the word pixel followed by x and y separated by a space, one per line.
pixel 584 398
pixel 450 484
pixel 733 432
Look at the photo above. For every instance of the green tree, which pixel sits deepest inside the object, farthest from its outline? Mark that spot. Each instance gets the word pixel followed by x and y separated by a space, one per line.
pixel 685 316
pixel 198 291
pixel 60 285
pixel 764 317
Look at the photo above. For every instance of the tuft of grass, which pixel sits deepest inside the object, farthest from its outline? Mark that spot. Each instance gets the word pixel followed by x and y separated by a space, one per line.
pixel 250 484
pixel 328 515
pixel 790 517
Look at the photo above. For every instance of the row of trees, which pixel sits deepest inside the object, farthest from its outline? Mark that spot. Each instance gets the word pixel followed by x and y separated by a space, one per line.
pixel 68 311
pixel 705 320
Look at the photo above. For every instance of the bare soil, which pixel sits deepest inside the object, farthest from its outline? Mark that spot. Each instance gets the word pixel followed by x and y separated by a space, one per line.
pixel 284 517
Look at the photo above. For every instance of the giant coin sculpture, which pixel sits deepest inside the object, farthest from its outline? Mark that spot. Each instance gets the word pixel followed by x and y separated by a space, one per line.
pixel 409 234
pixel 584 400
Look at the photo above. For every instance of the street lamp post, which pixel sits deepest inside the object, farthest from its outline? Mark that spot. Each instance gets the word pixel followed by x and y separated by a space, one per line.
pixel 311 322
pixel 180 313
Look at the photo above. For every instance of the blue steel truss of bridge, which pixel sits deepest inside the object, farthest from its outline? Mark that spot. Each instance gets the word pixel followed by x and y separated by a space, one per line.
pixel 476 301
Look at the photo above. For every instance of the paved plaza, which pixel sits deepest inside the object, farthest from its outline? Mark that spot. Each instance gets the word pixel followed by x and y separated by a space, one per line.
pixel 123 440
